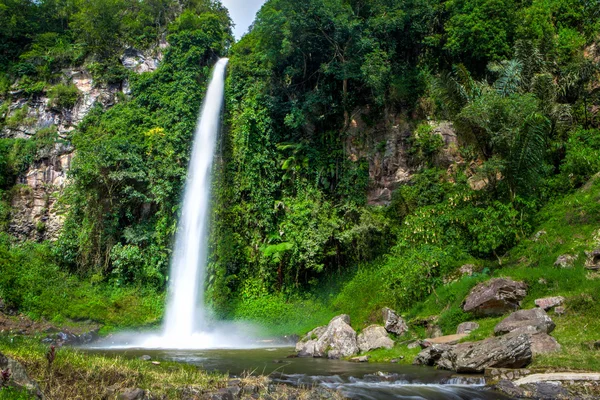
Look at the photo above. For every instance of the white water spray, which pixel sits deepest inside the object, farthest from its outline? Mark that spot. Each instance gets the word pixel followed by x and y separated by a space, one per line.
pixel 185 306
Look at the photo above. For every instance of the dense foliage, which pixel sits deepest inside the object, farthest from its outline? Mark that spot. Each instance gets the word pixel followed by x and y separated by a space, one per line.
pixel 312 90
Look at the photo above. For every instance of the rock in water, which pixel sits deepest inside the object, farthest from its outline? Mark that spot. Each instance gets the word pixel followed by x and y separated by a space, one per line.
pixel 393 323
pixel 374 337
pixel 510 351
pixel 495 297
pixel 532 321
pixel 467 327
pixel 18 375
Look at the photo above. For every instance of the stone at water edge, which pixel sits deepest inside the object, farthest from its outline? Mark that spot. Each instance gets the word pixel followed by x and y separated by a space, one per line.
pixel 510 351
pixel 495 297
pixel 531 321
pixel 338 340
pixel 467 327
pixel 361 359
pixel 393 323
pixel 547 303
pixel 374 337
pixel 306 346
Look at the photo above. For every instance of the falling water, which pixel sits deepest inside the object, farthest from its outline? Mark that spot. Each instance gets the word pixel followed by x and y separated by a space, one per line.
pixel 185 307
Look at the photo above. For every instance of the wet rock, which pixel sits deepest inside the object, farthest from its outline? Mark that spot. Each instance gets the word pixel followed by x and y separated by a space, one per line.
pixel 548 303
pixel 132 394
pixel 467 327
pixel 360 359
pixel 374 337
pixel 510 351
pixel 510 389
pixel 431 355
pixel 70 339
pixel 531 321
pixel 393 323
pixel 495 297
pixel 593 260
pixel 18 376
pixel 565 261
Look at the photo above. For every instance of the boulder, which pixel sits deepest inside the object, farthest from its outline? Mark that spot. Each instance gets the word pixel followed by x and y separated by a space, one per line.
pixel 466 269
pixel 549 302
pixel 132 394
pixel 306 346
pixel 360 359
pixel 338 340
pixel 531 321
pixel 374 337
pixel 432 354
pixel 495 297
pixel 510 351
pixel 565 261
pixel 18 375
pixel 467 327
pixel 593 260
pixel 393 323
pixel 542 343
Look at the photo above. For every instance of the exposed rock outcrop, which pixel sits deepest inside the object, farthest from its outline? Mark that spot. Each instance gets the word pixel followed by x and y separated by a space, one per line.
pixel 393 323
pixel 306 346
pixel 565 261
pixel 531 321
pixel 593 260
pixel 495 297
pixel 510 351
pixel 374 337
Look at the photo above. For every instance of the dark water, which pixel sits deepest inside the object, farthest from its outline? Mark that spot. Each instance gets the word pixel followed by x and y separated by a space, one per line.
pixel 354 380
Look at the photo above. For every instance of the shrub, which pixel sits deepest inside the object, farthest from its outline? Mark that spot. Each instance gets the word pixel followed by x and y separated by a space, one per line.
pixel 63 96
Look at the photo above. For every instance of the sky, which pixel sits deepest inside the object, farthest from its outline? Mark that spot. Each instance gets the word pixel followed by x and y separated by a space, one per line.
pixel 242 12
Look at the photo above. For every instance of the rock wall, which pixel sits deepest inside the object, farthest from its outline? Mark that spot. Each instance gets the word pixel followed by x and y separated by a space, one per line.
pixel 36 210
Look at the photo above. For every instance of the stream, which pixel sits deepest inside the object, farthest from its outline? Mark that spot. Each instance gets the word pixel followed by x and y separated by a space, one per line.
pixel 354 380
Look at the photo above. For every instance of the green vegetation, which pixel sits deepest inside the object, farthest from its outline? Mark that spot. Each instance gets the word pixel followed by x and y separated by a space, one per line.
pixel 317 94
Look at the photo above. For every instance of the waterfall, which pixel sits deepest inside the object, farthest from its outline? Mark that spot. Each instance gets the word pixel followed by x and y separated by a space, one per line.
pixel 185 305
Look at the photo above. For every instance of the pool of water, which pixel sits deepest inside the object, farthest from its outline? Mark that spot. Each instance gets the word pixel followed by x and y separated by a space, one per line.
pixel 378 381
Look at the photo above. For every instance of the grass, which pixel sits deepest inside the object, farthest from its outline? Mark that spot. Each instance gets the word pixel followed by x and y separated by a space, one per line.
pixel 400 352
pixel 76 374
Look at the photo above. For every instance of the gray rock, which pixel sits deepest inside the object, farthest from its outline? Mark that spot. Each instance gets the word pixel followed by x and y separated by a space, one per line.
pixel 542 343
pixel 306 346
pixel 559 310
pixel 338 340
pixel 565 261
pixel 374 337
pixel 467 327
pixel 393 323
pixel 531 321
pixel 132 394
pixel 18 375
pixel 547 303
pixel 510 351
pixel 145 357
pixel 495 297
pixel 466 269
pixel 360 359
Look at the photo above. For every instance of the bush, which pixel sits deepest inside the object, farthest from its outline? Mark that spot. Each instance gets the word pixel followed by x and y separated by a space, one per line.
pixel 63 96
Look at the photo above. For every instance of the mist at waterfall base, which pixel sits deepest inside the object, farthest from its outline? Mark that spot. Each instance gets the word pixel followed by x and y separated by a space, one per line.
pixel 186 324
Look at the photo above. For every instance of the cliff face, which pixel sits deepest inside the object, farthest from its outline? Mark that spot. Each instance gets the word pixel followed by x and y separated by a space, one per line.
pixel 36 210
